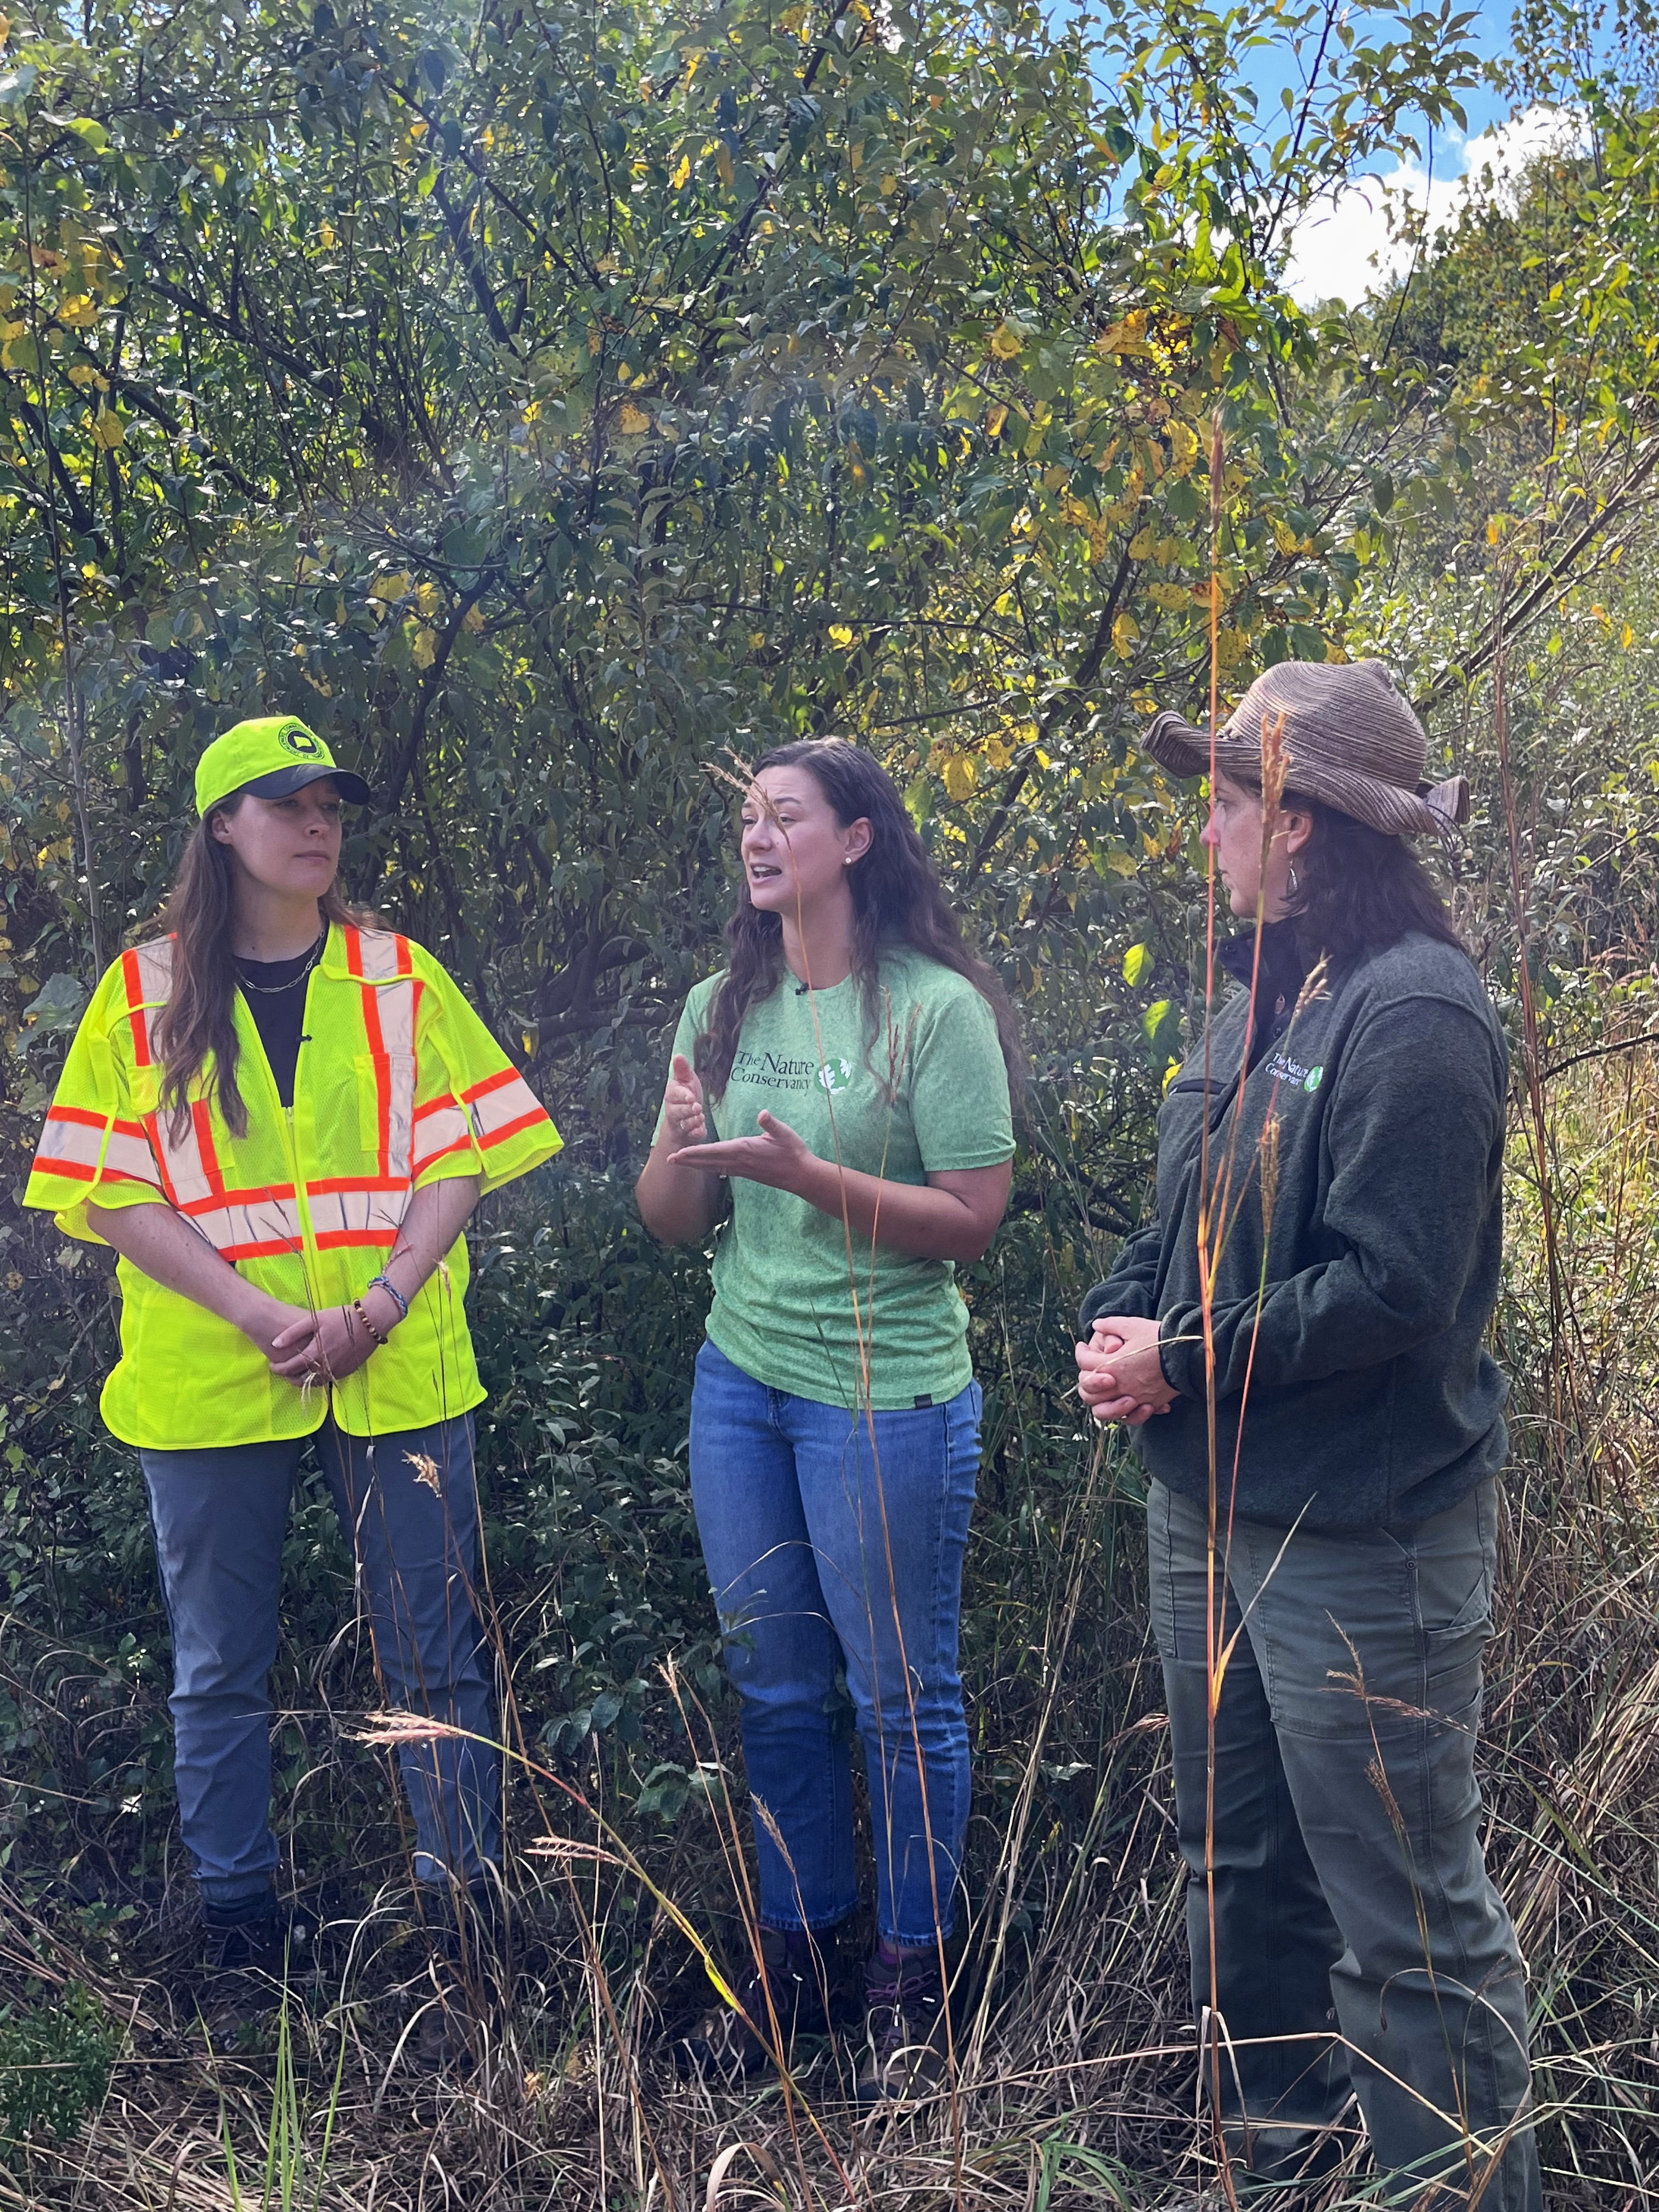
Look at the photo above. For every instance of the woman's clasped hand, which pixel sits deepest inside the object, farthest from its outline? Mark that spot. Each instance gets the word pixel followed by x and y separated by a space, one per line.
pixel 1120 1374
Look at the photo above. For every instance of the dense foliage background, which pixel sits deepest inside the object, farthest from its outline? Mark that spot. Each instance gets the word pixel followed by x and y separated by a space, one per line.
pixel 555 405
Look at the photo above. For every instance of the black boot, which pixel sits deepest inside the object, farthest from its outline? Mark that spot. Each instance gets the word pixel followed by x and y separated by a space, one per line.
pixel 251 1958
pixel 799 1985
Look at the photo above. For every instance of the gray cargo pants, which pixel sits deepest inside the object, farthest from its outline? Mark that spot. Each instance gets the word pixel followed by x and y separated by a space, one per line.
pixel 1360 1945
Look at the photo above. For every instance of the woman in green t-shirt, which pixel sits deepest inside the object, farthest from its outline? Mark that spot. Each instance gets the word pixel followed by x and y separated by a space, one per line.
pixel 838 1105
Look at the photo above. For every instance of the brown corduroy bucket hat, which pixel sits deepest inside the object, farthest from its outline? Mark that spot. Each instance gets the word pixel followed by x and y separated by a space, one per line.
pixel 1350 738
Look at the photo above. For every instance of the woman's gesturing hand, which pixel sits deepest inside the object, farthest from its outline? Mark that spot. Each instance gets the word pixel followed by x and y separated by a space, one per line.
pixel 1121 1377
pixel 682 1105
pixel 777 1156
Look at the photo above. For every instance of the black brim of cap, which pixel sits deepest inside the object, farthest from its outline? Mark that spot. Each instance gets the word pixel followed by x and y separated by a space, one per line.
pixel 283 782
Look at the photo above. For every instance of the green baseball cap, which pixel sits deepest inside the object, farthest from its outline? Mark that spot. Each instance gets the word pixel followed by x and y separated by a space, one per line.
pixel 272 757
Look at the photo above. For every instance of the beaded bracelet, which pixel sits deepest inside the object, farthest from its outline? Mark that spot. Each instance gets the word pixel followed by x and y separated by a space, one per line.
pixel 380 1283
pixel 358 1307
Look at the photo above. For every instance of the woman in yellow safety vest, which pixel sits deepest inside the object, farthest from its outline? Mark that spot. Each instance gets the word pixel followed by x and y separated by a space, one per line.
pixel 281 1116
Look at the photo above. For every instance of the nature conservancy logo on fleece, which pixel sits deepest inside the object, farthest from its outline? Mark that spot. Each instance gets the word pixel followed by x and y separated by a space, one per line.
pixel 1284 1069
pixel 836 1075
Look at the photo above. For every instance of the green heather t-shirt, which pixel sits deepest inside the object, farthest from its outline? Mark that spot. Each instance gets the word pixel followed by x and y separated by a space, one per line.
pixel 929 1093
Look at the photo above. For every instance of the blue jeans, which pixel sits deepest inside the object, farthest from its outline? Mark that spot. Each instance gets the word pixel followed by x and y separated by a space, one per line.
pixel 219 1518
pixel 826 1554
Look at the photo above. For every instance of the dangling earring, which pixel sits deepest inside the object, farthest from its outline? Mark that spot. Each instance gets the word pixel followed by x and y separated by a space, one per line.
pixel 1294 886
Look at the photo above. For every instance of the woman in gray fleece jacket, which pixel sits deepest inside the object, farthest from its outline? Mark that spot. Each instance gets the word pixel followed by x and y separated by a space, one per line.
pixel 1329 1163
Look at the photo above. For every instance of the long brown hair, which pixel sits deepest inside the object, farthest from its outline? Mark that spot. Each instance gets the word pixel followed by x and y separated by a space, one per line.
pixel 196 1020
pixel 896 899
pixel 1359 891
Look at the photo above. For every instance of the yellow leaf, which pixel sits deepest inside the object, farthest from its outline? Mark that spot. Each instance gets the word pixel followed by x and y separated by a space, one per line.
pixel 682 176
pixel 1127 337
pixel 472 622
pixel 108 430
pixel 724 164
pixel 1125 630
pixel 1627 637
pixel 1284 537
pixel 429 598
pixel 326 233
pixel 1143 544
pixel 389 588
pixel 1183 447
pixel 840 634
pixel 888 184
pixel 1006 342
pixel 997 752
pixel 995 419
pixel 1170 595
pixel 79 314
pixel 960 776
pixel 756 639
pixel 424 651
pixel 632 420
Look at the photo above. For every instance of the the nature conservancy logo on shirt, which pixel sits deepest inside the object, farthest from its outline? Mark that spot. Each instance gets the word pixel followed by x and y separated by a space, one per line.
pixel 1284 1069
pixel 782 1071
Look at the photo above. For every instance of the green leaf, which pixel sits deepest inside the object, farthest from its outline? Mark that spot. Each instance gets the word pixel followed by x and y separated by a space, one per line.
pixel 57 1005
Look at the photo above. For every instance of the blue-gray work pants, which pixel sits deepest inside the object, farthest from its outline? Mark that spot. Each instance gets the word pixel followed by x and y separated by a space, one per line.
pixel 1359 1943
pixel 409 1503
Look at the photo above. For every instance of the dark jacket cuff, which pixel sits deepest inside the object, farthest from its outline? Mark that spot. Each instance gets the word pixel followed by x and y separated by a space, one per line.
pixel 1181 1350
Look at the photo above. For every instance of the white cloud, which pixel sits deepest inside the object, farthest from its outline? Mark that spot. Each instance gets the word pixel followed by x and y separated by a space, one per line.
pixel 1346 245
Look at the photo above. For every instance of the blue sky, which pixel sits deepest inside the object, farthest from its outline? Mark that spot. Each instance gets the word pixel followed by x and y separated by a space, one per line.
pixel 1344 247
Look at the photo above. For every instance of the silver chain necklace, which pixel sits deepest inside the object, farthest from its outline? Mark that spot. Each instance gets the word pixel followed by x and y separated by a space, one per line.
pixel 276 990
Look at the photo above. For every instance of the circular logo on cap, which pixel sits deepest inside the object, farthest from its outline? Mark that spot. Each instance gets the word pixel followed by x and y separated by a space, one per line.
pixel 298 740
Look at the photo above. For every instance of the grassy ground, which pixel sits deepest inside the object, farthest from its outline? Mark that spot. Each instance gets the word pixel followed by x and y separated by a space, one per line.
pixel 1074 2082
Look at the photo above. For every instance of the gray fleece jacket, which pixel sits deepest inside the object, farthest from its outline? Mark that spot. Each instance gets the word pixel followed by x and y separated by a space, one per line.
pixel 1372 1399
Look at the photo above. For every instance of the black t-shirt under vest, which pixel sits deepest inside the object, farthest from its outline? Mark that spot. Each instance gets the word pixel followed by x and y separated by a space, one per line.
pixel 274 993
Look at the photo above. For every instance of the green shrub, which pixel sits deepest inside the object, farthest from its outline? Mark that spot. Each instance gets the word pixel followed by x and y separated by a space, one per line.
pixel 55 2065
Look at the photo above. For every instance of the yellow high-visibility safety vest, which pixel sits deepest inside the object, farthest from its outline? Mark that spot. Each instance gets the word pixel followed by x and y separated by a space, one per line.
pixel 398 1085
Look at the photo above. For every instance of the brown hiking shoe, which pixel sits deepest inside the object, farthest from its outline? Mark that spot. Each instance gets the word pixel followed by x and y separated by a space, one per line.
pixel 466 1981
pixel 908 2023
pixel 795 1988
